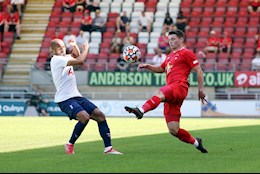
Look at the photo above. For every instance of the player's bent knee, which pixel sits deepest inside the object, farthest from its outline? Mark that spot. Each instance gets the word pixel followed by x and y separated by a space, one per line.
pixel 98 115
pixel 83 117
pixel 173 131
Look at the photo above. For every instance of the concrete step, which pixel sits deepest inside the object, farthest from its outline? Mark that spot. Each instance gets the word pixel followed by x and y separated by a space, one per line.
pixel 23 55
pixel 33 34
pixel 39 21
pixel 35 18
pixel 14 83
pixel 31 38
pixel 38 11
pixel 17 62
pixel 26 46
pixel 22 49
pixel 27 42
pixel 27 25
pixel 15 72
pixel 33 28
pixel 19 66
pixel 34 15
pixel 16 77
pixel 37 5
pixel 26 51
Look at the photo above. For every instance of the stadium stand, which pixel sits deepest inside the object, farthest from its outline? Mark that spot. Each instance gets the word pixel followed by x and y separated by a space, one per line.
pixel 220 15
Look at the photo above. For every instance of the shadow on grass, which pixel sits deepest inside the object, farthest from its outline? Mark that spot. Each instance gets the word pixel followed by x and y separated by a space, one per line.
pixel 230 150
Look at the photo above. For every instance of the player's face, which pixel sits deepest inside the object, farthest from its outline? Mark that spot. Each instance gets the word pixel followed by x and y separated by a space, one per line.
pixel 174 41
pixel 61 50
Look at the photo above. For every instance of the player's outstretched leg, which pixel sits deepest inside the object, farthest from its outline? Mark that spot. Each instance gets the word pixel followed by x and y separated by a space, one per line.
pixel 135 111
pixel 200 146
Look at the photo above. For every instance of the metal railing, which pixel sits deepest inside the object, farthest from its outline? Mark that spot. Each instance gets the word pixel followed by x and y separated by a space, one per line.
pixel 12 95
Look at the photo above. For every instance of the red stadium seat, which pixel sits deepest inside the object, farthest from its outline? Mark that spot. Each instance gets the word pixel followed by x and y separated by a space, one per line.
pixel 198 3
pixel 114 56
pixel 223 57
pixel 210 3
pixel 221 66
pixel 221 3
pixel 3 55
pixel 220 11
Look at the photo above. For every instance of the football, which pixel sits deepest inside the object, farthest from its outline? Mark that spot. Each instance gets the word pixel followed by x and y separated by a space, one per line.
pixel 131 54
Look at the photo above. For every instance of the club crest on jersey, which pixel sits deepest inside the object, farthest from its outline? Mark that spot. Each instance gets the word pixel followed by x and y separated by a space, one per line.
pixel 168 68
pixel 70 72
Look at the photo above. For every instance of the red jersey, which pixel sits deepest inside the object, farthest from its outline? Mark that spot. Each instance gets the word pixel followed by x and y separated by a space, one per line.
pixel 13 18
pixel 2 17
pixel 213 41
pixel 225 41
pixel 255 3
pixel 70 2
pixel 178 65
pixel 87 19
pixel 258 42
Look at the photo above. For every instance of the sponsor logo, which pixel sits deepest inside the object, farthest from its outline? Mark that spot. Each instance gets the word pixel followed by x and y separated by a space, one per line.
pixel 241 79
pixel 195 61
pixel 0 109
pixel 249 78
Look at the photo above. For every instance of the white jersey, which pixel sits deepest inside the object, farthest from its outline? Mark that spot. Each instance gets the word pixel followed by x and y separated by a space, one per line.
pixel 64 78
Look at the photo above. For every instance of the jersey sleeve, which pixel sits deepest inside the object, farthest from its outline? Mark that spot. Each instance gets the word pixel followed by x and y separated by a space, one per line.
pixel 62 61
pixel 191 59
pixel 163 65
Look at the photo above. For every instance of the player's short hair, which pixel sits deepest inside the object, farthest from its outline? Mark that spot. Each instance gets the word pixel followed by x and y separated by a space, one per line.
pixel 178 33
pixel 54 44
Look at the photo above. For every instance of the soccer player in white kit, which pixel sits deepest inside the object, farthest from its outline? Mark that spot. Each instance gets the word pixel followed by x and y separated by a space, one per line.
pixel 69 98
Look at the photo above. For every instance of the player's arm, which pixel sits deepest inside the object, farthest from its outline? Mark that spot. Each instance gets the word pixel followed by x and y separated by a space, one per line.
pixel 200 79
pixel 153 68
pixel 75 52
pixel 80 59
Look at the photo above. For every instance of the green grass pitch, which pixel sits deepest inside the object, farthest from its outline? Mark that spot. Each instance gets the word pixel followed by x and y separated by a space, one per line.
pixel 35 144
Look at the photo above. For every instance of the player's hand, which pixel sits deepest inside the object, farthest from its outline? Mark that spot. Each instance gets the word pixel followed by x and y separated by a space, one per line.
pixel 85 46
pixel 141 66
pixel 202 96
pixel 72 42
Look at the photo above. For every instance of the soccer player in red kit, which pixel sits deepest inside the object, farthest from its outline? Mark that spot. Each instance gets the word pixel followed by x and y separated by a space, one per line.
pixel 177 66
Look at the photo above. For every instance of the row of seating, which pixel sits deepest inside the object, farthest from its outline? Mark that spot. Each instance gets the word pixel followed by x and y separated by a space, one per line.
pixel 242 34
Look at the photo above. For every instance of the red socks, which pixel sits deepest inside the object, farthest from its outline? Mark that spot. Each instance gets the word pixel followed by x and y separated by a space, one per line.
pixel 151 104
pixel 185 136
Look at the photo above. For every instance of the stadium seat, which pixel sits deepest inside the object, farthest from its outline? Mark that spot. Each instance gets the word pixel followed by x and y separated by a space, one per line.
pixel 114 56
pixel 94 47
pixel 162 6
pixel 198 3
pixel 151 47
pixel 115 7
pixel 223 57
pixel 221 3
pixel 104 6
pixel 154 36
pixel 138 6
pixel 143 37
pixel 221 67
pixel 96 37
pixel 220 11
pixel 128 7
pixel 251 31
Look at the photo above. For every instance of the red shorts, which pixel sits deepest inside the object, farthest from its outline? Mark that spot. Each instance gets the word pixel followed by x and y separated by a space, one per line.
pixel 174 96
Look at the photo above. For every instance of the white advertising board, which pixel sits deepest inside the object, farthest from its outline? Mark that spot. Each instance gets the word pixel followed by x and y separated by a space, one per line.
pixel 189 108
pixel 232 108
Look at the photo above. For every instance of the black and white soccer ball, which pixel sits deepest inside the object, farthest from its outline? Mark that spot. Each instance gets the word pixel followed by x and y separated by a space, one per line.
pixel 131 54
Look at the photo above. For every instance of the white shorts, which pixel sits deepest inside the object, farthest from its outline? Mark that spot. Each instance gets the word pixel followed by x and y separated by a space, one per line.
pixel 17 1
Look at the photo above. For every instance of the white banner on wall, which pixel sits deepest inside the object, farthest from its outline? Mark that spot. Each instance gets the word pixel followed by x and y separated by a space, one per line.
pixel 116 108
pixel 232 108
